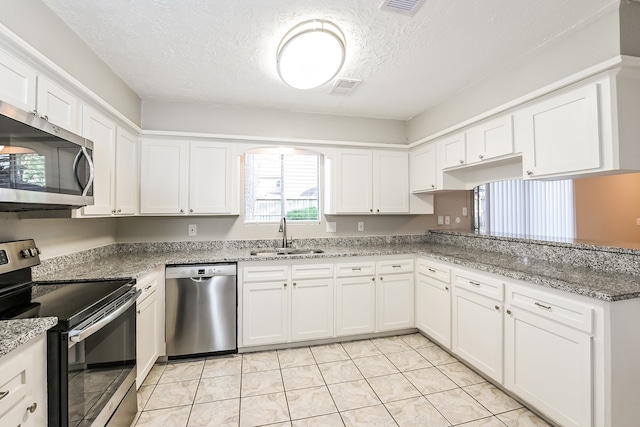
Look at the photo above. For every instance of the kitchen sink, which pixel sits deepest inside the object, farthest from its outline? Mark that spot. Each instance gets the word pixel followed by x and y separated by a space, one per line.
pixel 285 251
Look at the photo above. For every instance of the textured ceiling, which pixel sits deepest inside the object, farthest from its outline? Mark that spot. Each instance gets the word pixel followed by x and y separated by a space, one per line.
pixel 223 51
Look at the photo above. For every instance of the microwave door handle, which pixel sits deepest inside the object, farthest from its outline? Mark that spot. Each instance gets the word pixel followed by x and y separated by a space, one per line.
pixel 76 163
pixel 76 336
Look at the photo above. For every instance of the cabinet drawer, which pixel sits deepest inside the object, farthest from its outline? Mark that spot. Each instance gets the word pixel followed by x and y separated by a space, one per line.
pixel 260 273
pixel 479 284
pixel 434 270
pixel 15 381
pixel 352 269
pixel 552 307
pixel 395 266
pixel 311 271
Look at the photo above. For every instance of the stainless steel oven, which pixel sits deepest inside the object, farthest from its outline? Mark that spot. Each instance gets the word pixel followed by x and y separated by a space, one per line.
pixel 91 352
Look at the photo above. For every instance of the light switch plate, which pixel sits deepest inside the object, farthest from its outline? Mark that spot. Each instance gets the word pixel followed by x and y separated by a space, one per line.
pixel 440 220
pixel 361 226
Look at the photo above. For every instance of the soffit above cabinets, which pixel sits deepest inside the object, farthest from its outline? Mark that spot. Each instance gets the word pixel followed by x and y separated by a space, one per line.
pixel 223 52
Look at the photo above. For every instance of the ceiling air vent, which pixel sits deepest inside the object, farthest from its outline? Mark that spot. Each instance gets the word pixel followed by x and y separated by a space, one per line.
pixel 344 86
pixel 402 7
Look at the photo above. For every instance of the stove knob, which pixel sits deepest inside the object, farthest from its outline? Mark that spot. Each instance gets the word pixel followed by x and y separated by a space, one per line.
pixel 34 252
pixel 25 253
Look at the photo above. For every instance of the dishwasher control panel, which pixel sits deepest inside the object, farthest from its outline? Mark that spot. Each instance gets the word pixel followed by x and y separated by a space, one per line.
pixel 195 270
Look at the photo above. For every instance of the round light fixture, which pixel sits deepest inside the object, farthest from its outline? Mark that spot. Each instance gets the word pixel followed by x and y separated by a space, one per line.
pixel 311 54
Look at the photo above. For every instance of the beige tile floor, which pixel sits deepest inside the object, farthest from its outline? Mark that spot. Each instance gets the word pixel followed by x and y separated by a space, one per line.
pixel 397 381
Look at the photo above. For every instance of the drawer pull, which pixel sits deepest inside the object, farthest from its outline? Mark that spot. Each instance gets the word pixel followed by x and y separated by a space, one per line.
pixel 542 306
pixel 285 285
pixel 356 269
pixel 509 312
pixel 498 307
pixel 396 266
pixel 446 288
pixel 3 394
pixel 147 288
pixel 474 283
pixel 431 270
pixel 33 407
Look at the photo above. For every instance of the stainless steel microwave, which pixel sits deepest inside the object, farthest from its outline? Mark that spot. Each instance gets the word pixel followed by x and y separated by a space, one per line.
pixel 42 166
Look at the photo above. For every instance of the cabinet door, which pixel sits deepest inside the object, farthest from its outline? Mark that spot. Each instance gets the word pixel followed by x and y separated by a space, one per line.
pixel 209 178
pixel 164 177
pixel 390 182
pixel 433 309
pixel 549 365
pixel 147 322
pixel 265 318
pixel 395 302
pixel 354 187
pixel 423 168
pixel 58 106
pixel 490 139
pixel 477 331
pixel 561 135
pixel 126 172
pixel 17 83
pixel 312 309
pixel 355 305
pixel 451 150
pixel 102 132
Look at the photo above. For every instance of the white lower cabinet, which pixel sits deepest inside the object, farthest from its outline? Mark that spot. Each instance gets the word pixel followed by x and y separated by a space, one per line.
pixel 23 384
pixel 286 302
pixel 433 300
pixel 355 305
pixel 149 323
pixel 394 294
pixel 548 362
pixel 478 322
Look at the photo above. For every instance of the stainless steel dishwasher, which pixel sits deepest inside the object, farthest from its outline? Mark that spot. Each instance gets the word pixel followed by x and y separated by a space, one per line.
pixel 201 309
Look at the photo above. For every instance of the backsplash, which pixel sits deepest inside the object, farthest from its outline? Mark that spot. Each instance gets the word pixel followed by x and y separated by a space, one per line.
pixel 606 258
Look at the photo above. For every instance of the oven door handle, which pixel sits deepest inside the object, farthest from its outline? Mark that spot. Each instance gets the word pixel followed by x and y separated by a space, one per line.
pixel 76 336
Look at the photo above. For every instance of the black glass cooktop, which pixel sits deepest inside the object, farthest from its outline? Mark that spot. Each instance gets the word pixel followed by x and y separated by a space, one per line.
pixel 72 302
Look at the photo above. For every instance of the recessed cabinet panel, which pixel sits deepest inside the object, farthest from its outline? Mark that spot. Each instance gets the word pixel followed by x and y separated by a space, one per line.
pixel 395 301
pixel 17 83
pixel 390 182
pixel 433 308
pixel 164 177
pixel 561 134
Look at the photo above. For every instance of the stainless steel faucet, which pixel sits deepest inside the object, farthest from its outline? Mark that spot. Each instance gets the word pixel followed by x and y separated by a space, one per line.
pixel 283 230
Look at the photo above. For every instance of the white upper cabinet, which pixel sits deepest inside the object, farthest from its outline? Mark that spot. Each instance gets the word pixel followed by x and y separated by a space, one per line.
pixel 210 178
pixel 451 150
pixel 561 134
pixel 588 129
pixel 17 83
pixel 490 139
pixel 369 182
pixel 126 192
pixel 102 132
pixel 182 177
pixel 424 169
pixel 22 87
pixel 58 106
pixel 164 175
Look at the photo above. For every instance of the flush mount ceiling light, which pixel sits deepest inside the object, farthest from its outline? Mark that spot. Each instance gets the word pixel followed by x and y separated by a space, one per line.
pixel 311 54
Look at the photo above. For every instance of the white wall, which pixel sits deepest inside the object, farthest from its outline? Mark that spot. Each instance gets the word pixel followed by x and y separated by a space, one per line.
pixel 596 42
pixel 37 25
pixel 204 118
pixel 58 236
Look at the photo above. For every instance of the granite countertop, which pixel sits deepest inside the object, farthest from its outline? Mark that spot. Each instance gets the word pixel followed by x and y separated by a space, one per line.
pixel 14 333
pixel 598 284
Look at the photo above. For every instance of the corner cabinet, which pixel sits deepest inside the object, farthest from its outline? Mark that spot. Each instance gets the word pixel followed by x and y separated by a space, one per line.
pixel 187 178
pixel 368 182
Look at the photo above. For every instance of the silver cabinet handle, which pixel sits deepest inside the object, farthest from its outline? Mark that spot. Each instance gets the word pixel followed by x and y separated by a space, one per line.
pixel 373 279
pixel 396 266
pixel 356 269
pixel 498 307
pixel 480 156
pixel 381 278
pixel 191 210
pixel 542 306
pixel 33 407
pixel 370 210
pixel 285 285
pixel 4 394
pixel 509 312
pixel 461 162
pixel 431 270
pixel 181 210
pixel 113 211
pixel 295 284
pixel 378 210
pixel 474 283
pixel 529 173
pixel 119 210
pixel 433 186
pixel 446 288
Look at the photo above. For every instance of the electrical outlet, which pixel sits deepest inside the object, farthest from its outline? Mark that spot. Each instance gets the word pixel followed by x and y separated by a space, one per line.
pixel 447 220
pixel 464 211
pixel 360 226
pixel 440 220
pixel 193 230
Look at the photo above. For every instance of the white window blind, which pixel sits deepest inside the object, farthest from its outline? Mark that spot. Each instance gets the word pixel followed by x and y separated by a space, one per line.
pixel 526 208
pixel 278 185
